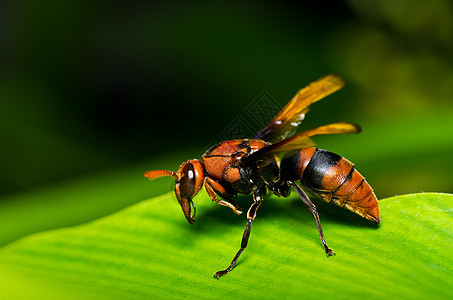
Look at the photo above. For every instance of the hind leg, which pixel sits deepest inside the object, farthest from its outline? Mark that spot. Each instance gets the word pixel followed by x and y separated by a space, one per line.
pixel 312 208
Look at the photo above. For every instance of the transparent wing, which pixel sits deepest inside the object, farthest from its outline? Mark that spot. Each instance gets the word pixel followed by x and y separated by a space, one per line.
pixel 288 119
pixel 301 140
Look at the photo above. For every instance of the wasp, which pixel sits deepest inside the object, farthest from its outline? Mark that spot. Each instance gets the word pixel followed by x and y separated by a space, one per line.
pixel 275 160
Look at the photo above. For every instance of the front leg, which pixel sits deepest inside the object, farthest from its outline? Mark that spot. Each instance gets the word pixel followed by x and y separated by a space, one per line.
pixel 213 188
pixel 251 214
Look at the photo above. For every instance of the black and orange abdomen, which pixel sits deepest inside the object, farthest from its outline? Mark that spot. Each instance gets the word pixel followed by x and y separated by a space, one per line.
pixel 332 178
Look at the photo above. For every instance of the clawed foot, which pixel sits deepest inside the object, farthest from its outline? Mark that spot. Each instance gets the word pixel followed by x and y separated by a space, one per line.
pixel 329 252
pixel 220 274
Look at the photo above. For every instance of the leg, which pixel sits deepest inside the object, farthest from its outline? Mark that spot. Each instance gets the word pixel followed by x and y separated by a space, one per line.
pixel 312 208
pixel 251 214
pixel 213 187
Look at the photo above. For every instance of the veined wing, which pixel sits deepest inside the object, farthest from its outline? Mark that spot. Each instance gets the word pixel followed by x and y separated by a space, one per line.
pixel 301 140
pixel 286 121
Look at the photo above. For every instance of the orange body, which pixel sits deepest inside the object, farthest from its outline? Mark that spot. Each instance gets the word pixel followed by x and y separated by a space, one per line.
pixel 334 179
pixel 221 160
pixel 251 166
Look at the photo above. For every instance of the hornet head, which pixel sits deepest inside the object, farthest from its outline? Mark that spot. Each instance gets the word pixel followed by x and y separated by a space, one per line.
pixel 189 180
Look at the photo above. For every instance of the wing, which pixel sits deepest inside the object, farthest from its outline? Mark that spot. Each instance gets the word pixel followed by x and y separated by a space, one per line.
pixel 301 140
pixel 286 121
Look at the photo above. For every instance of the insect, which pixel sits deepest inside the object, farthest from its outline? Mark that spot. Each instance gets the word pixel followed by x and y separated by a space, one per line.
pixel 253 166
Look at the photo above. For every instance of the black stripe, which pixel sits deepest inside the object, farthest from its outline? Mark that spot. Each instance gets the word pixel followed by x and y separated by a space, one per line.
pixel 289 167
pixel 316 169
pixel 246 144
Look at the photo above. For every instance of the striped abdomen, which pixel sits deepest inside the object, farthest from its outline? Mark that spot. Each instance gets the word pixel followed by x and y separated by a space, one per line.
pixel 332 178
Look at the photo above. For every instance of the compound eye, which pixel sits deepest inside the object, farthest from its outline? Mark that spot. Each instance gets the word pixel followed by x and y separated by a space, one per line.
pixel 187 181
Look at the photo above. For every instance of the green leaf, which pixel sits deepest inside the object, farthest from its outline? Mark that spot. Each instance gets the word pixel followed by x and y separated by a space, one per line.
pixel 150 251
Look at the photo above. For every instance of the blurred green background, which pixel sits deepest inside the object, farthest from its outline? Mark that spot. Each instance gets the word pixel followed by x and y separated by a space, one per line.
pixel 92 94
